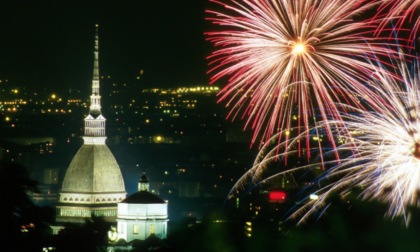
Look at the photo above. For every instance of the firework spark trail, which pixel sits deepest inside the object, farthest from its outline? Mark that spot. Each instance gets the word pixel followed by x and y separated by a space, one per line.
pixel 285 57
pixel 380 156
pixel 401 11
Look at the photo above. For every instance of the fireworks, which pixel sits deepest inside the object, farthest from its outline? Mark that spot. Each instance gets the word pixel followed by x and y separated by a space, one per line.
pixel 381 154
pixel 401 11
pixel 287 63
pixel 301 71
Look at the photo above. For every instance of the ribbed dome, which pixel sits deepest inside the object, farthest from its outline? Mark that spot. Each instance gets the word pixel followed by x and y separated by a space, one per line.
pixel 93 170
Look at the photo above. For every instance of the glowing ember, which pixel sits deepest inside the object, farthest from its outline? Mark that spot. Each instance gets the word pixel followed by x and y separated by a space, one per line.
pixel 299 49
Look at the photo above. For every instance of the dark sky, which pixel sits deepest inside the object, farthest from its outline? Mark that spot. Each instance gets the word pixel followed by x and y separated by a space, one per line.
pixel 50 42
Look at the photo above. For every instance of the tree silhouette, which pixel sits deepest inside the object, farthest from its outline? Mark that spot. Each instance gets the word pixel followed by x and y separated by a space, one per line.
pixel 23 227
pixel 91 236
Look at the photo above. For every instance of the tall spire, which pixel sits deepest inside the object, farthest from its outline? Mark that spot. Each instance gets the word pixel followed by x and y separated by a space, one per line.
pixel 95 122
pixel 95 98
pixel 96 58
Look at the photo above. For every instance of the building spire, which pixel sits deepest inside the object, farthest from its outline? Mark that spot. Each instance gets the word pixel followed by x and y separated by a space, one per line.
pixel 95 122
pixel 95 98
pixel 96 58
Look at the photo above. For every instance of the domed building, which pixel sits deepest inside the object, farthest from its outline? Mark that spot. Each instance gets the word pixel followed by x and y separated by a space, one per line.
pixel 93 183
pixel 142 214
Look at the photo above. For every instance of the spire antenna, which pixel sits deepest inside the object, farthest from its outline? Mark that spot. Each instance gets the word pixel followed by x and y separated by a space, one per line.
pixel 96 58
pixel 95 98
pixel 95 122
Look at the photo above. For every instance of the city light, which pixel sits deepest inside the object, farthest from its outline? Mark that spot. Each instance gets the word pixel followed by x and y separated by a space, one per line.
pixel 277 196
pixel 313 196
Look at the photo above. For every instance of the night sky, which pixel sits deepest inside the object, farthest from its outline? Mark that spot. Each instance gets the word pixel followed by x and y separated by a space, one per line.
pixel 50 43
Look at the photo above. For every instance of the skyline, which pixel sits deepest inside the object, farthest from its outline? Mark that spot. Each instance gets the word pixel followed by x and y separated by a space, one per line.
pixel 182 139
pixel 51 44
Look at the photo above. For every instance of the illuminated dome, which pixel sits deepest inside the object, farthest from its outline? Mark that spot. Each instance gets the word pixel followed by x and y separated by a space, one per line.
pixel 92 186
pixel 93 169
pixel 143 197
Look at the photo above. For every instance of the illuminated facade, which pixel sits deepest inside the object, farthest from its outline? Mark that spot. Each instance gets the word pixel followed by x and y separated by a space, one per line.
pixel 142 214
pixel 93 184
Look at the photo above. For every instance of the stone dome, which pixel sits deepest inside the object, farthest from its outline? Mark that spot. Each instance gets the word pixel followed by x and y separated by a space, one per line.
pixel 93 170
pixel 143 197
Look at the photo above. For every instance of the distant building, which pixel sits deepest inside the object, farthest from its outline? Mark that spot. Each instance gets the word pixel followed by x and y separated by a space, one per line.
pixel 142 214
pixel 47 193
pixel 93 184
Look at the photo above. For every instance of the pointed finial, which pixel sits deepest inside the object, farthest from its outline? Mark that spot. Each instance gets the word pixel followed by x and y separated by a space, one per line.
pixel 95 122
pixel 95 101
pixel 96 59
